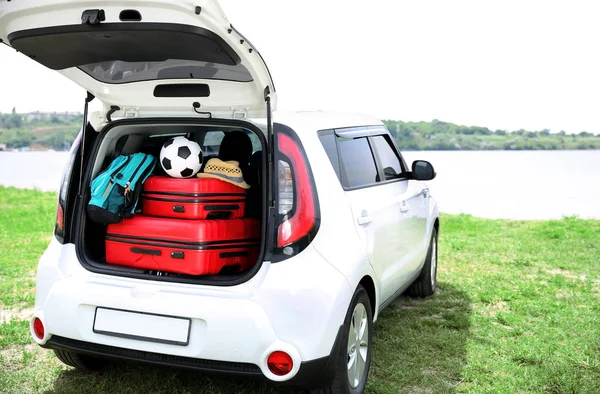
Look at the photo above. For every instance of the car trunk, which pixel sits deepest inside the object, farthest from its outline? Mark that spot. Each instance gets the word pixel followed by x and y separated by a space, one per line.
pixel 148 136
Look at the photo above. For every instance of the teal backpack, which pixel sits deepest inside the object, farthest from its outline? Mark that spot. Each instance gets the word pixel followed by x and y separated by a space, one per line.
pixel 115 192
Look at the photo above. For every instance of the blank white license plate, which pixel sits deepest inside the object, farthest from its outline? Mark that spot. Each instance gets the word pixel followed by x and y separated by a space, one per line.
pixel 142 326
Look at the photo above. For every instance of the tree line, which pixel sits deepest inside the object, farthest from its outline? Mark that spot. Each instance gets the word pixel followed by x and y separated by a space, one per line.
pixel 438 135
pixel 50 131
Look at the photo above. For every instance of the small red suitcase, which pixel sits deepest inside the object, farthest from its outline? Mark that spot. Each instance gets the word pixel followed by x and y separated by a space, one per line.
pixel 192 247
pixel 195 198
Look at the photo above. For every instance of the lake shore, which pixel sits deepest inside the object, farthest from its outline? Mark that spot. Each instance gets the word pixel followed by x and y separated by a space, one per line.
pixel 520 185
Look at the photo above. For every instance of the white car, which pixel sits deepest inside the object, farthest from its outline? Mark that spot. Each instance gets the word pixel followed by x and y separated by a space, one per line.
pixel 346 224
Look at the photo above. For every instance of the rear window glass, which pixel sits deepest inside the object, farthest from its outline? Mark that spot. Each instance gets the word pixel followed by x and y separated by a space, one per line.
pixel 358 165
pixel 123 72
pixel 328 141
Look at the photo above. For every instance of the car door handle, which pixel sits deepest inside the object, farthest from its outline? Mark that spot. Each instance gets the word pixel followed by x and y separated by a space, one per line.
pixel 364 218
pixel 404 207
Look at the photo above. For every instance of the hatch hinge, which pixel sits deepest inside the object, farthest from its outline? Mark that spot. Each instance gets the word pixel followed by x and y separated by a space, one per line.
pixel 93 17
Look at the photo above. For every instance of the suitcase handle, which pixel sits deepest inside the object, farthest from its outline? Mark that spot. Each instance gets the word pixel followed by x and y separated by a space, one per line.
pixel 178 208
pixel 224 255
pixel 151 252
pixel 230 207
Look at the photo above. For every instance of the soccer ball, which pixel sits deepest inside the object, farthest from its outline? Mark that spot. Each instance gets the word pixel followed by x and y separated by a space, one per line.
pixel 181 158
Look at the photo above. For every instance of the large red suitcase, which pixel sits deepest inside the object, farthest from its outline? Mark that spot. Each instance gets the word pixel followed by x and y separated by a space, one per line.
pixel 192 247
pixel 195 198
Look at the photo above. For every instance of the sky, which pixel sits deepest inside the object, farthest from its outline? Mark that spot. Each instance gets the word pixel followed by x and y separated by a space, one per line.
pixel 500 64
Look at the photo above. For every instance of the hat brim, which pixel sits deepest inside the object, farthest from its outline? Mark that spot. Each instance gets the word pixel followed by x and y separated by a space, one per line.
pixel 243 184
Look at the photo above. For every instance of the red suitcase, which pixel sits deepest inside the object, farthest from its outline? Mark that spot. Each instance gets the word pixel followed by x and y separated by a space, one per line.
pixel 192 247
pixel 195 198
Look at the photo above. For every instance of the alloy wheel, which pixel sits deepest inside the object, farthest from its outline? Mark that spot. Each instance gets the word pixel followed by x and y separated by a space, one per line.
pixel 433 263
pixel 358 345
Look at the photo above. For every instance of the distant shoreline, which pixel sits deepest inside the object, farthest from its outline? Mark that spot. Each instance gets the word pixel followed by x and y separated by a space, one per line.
pixel 57 131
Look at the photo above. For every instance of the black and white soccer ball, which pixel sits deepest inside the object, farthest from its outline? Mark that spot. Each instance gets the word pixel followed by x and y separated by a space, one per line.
pixel 181 158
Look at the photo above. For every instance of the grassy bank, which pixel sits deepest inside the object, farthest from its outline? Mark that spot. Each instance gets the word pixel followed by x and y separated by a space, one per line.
pixel 517 310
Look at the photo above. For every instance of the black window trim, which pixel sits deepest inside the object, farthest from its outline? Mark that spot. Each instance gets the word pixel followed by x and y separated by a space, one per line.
pixel 367 132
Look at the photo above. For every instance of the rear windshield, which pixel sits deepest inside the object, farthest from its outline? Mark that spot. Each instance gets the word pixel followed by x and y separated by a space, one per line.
pixel 123 72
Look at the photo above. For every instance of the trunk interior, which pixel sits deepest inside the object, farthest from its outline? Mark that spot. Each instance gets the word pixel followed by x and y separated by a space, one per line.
pixel 227 140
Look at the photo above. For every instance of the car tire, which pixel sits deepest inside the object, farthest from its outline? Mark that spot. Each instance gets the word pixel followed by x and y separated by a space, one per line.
pixel 426 283
pixel 80 361
pixel 354 357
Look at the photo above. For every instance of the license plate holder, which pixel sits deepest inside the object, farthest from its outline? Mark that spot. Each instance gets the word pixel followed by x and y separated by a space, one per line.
pixel 141 326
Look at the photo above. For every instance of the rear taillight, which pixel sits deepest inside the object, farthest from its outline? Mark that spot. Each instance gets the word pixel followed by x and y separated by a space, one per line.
pixel 38 328
pixel 297 197
pixel 59 228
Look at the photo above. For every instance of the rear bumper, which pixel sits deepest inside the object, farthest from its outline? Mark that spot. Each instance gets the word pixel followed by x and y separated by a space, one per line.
pixel 312 374
pixel 105 351
pixel 296 306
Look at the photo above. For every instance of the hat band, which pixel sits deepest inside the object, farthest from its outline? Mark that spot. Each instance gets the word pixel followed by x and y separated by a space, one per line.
pixel 236 179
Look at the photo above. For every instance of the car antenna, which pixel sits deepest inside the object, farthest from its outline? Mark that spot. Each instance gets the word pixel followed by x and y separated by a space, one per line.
pixel 88 98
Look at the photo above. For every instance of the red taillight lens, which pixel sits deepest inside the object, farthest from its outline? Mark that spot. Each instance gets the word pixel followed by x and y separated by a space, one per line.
pixel 280 363
pixel 63 194
pixel 60 221
pixel 296 194
pixel 38 328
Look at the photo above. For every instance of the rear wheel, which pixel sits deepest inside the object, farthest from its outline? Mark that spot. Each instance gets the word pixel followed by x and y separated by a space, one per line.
pixel 354 359
pixel 80 361
pixel 425 284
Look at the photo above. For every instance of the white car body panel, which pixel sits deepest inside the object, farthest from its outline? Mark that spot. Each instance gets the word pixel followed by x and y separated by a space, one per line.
pixel 382 228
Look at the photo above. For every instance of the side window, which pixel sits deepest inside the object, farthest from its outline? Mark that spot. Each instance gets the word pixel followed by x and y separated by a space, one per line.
pixel 390 162
pixel 212 142
pixel 328 142
pixel 256 145
pixel 357 162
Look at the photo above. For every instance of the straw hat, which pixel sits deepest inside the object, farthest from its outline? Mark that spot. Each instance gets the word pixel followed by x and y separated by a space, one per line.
pixel 228 171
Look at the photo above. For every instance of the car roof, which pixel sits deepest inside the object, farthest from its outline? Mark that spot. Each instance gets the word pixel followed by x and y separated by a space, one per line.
pixel 323 120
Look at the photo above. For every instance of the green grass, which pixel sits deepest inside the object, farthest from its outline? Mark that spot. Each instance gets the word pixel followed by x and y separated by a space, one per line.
pixel 517 310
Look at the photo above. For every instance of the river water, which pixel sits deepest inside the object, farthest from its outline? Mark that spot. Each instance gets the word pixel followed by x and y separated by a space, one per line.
pixel 492 184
